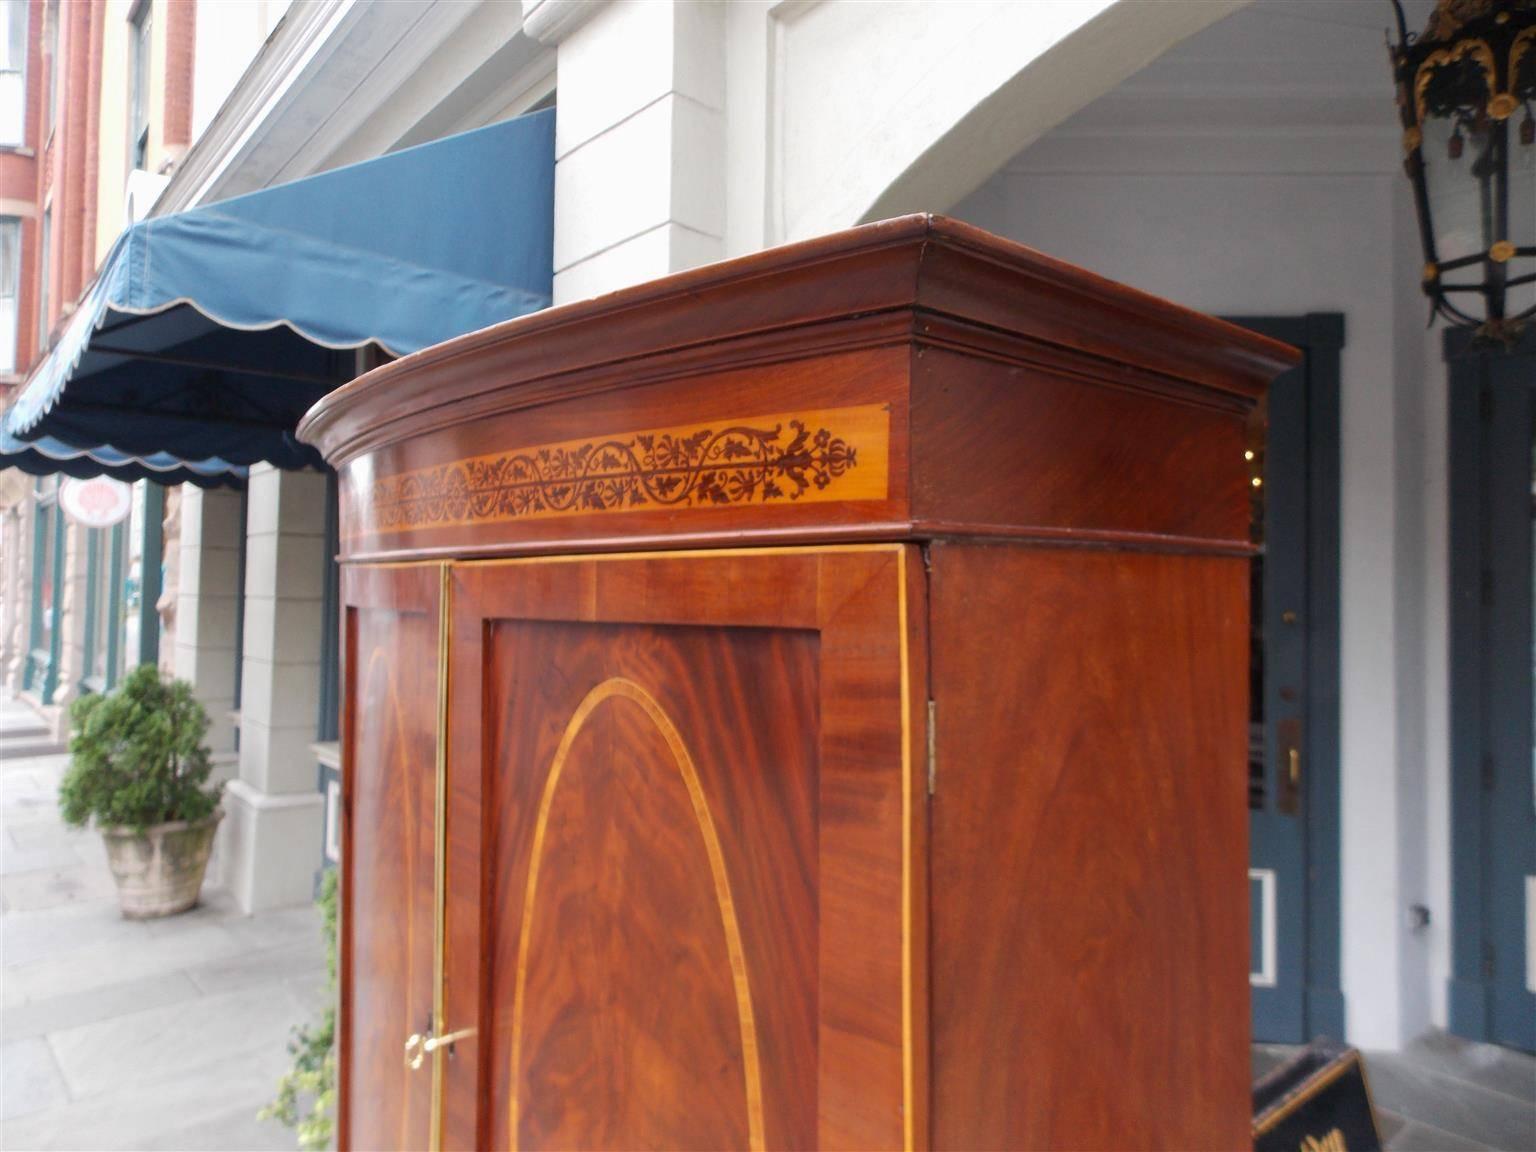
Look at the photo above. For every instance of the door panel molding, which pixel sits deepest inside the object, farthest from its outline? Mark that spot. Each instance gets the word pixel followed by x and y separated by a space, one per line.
pixel 862 607
pixel 1491 419
pixel 1321 337
pixel 387 943
pixel 1263 975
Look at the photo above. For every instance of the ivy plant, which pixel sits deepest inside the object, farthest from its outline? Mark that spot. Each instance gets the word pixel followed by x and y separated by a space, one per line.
pixel 306 1095
pixel 137 756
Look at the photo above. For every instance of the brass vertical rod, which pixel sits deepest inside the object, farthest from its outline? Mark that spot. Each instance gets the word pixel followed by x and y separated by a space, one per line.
pixel 440 856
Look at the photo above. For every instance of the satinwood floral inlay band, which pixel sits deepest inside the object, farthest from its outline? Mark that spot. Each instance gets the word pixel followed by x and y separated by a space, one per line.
pixel 834 454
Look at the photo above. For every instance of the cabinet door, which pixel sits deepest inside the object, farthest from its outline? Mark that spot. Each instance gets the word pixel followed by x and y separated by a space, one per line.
pixel 389 731
pixel 694 779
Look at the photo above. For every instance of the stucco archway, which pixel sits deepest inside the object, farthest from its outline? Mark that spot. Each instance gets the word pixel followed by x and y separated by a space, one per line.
pixel 956 90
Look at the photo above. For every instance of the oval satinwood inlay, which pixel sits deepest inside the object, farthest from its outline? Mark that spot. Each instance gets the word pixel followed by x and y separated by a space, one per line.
pixel 631 998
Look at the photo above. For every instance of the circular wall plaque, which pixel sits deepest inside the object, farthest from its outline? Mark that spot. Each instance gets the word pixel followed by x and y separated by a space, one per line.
pixel 99 502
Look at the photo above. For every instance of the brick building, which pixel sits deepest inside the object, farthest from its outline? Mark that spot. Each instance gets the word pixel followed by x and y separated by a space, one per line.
pixel 95 111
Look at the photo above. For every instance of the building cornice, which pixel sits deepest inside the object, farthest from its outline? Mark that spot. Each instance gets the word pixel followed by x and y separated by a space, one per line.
pixel 344 80
pixel 306 31
pixel 551 21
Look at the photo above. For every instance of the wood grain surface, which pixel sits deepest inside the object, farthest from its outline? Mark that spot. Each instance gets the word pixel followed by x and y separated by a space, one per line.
pixel 718 941
pixel 1090 944
pixel 390 632
pixel 697 892
pixel 1023 398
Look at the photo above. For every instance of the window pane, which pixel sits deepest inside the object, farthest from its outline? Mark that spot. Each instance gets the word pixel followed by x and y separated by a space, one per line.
pixel 51 31
pixel 138 107
pixel 10 256
pixel 13 71
pixel 13 38
pixel 10 280
pixel 45 242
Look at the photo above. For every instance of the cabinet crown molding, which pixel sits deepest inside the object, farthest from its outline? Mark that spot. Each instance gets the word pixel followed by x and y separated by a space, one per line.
pixel 930 278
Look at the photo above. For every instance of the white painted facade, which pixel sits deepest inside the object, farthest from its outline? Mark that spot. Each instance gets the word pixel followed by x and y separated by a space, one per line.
pixel 1238 158
pixel 1202 180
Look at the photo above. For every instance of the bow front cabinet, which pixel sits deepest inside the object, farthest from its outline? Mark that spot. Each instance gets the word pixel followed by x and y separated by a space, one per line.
pixel 797 703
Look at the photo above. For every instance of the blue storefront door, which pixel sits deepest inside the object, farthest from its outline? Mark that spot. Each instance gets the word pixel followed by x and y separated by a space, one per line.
pixel 1493 771
pixel 1293 730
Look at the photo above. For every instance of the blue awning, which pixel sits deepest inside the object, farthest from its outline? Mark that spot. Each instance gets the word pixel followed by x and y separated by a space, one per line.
pixel 210 332
pixel 48 457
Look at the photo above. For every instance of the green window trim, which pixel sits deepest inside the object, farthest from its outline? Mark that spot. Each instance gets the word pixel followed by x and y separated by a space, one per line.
pixel 151 559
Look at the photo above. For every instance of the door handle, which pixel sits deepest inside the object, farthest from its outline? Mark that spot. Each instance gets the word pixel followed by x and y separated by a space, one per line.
pixel 1288 738
pixel 419 1047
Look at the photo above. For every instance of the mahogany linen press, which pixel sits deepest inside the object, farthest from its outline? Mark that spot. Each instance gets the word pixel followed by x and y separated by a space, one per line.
pixel 801 702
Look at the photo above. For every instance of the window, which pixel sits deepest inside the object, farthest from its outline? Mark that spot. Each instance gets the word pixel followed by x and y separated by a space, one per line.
pixel 13 72
pixel 51 54
pixel 138 85
pixel 10 291
pixel 44 261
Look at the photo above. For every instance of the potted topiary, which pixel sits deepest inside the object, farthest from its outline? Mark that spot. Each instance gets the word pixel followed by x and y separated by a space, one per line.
pixel 139 768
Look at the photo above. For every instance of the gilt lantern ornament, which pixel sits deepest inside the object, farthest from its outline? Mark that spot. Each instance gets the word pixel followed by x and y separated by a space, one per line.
pixel 1466 87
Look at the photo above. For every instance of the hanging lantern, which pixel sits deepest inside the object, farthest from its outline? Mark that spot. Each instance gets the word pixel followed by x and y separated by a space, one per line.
pixel 1466 88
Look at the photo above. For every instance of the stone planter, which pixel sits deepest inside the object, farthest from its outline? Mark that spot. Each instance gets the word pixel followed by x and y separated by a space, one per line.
pixel 159 871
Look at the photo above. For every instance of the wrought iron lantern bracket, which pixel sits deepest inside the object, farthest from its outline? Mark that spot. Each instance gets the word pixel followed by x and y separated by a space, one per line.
pixel 1473 71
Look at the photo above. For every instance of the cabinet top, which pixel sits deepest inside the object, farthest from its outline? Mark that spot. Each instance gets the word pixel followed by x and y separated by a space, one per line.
pixel 919 279
pixel 909 379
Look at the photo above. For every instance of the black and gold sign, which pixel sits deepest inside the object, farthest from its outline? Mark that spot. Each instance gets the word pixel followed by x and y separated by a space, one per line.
pixel 1318 1101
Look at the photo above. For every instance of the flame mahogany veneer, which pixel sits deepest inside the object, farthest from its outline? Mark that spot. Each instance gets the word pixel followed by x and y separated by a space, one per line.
pixel 694 558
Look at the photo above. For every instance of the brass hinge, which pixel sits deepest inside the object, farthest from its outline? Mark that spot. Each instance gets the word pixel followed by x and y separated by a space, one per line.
pixel 933 745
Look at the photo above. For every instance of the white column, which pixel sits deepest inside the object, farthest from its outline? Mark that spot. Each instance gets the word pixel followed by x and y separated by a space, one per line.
pixel 275 808
pixel 639 140
pixel 13 610
pixel 207 606
pixel 70 618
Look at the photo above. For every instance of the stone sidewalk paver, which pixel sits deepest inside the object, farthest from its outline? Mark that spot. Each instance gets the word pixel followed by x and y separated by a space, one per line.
pixel 117 1034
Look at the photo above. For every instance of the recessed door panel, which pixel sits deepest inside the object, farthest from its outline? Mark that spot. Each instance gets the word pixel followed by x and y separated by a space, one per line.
pixel 390 735
pixel 666 884
pixel 696 833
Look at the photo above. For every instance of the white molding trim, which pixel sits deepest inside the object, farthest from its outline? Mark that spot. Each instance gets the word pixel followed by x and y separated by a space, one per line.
pixel 327 754
pixel 1530 933
pixel 551 21
pixel 304 30
pixel 1267 975
pixel 343 80
pixel 254 798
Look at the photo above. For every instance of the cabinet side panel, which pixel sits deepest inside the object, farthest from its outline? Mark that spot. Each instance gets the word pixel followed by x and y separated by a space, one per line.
pixel 1089 845
pixel 1018 449
pixel 388 870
